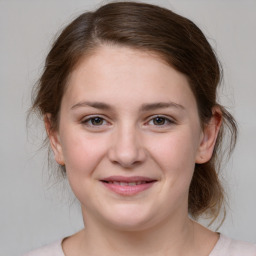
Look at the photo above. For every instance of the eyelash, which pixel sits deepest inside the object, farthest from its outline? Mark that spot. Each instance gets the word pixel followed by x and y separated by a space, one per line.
pixel 88 121
pixel 167 121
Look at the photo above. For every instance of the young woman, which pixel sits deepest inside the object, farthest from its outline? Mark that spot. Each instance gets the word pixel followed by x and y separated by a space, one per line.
pixel 128 97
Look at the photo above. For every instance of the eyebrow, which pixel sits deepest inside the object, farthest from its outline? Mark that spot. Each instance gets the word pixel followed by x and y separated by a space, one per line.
pixel 143 108
pixel 98 105
pixel 159 105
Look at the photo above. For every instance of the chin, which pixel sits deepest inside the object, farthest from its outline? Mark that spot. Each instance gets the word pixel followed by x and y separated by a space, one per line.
pixel 129 218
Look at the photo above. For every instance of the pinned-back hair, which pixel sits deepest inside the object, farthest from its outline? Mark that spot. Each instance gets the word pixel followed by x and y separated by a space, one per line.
pixel 176 40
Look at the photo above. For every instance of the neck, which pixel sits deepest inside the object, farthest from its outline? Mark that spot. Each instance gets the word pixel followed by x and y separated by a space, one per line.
pixel 173 237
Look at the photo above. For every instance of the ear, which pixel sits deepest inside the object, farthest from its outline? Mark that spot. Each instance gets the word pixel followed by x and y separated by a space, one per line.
pixel 54 140
pixel 209 137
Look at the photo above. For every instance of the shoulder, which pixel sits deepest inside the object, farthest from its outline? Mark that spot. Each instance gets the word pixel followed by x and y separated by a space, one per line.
pixel 230 247
pixel 54 249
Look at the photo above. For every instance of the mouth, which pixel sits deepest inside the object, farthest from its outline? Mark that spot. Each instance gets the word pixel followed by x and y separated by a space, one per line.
pixel 126 183
pixel 128 186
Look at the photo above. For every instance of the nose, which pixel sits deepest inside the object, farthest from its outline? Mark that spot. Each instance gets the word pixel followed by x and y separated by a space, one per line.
pixel 126 148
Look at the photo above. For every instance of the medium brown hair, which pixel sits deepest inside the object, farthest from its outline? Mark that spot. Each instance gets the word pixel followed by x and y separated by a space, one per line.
pixel 176 40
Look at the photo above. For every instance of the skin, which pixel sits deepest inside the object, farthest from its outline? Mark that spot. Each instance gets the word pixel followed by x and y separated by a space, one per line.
pixel 132 135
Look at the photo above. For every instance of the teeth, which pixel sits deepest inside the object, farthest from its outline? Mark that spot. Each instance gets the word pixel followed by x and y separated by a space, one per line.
pixel 127 183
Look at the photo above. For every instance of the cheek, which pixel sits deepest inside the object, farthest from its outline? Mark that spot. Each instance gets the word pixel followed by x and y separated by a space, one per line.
pixel 82 153
pixel 82 156
pixel 175 154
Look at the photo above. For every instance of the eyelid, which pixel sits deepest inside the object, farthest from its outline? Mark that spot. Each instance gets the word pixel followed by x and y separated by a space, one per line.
pixel 88 118
pixel 170 120
pixel 85 121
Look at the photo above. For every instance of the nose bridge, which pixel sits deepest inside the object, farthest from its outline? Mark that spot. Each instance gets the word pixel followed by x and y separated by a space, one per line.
pixel 127 148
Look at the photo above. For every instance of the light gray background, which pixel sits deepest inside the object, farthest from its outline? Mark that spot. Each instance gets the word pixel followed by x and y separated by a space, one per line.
pixel 33 212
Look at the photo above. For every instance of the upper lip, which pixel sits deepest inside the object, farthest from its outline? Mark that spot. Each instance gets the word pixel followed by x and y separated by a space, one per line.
pixel 127 179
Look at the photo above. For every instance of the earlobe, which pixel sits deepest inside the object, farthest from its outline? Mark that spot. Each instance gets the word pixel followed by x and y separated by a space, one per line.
pixel 54 140
pixel 209 137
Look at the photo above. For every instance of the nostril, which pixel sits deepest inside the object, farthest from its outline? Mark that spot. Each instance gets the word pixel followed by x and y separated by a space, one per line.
pixel 126 151
pixel 127 165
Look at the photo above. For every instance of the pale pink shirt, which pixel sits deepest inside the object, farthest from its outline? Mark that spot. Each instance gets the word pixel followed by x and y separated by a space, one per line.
pixel 224 247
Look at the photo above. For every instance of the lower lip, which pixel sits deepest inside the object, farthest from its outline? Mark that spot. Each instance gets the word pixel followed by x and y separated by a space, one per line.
pixel 128 190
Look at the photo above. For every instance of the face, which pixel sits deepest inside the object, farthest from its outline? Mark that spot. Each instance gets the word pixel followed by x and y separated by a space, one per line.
pixel 129 135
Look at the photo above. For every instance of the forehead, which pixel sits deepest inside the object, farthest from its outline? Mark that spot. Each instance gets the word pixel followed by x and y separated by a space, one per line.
pixel 113 72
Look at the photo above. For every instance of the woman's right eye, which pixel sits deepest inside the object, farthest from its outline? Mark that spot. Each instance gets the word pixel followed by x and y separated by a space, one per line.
pixel 94 121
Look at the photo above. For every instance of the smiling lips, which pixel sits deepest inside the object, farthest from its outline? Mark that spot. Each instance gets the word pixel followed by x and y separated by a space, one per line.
pixel 128 186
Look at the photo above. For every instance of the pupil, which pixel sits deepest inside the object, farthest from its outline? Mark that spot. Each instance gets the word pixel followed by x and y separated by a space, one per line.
pixel 159 121
pixel 97 121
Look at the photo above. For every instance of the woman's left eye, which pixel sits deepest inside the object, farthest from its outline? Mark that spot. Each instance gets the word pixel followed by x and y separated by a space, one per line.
pixel 160 121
